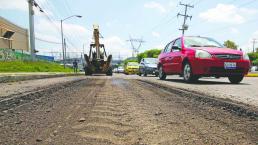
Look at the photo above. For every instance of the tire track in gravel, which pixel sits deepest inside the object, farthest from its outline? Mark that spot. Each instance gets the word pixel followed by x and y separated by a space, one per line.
pixel 107 121
pixel 132 112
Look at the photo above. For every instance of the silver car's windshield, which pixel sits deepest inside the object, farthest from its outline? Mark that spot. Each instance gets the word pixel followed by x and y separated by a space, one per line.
pixel 201 42
pixel 151 60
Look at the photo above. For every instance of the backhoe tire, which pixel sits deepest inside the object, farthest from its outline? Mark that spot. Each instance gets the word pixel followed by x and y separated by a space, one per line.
pixel 109 72
pixel 87 72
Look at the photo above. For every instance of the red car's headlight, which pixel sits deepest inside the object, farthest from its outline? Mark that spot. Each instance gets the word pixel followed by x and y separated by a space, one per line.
pixel 245 56
pixel 202 54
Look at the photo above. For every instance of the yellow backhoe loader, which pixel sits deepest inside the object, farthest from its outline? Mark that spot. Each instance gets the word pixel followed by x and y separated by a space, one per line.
pixel 97 62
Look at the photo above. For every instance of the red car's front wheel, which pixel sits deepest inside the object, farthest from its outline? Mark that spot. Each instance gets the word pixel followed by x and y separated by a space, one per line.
pixel 162 75
pixel 236 79
pixel 188 75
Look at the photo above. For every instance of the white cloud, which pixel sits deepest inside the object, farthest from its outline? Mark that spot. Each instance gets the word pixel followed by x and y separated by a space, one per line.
pixel 234 30
pixel 248 46
pixel 160 46
pixel 115 46
pixel 45 26
pixel 155 34
pixel 172 4
pixel 112 23
pixel 14 5
pixel 155 5
pixel 21 5
pixel 224 13
pixel 48 31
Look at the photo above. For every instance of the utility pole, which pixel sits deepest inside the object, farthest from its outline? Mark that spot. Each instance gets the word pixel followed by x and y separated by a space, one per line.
pixel 135 49
pixel 184 26
pixel 254 42
pixel 64 53
pixel 62 35
pixel 32 33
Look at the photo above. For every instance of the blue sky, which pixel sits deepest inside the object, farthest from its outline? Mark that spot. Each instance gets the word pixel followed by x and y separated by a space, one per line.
pixel 155 21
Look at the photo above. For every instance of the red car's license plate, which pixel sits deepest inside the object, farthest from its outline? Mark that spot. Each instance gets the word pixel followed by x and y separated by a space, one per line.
pixel 230 65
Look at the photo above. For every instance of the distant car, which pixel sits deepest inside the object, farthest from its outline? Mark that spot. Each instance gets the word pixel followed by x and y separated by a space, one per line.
pixel 115 70
pixel 254 68
pixel 148 66
pixel 131 68
pixel 195 57
pixel 120 69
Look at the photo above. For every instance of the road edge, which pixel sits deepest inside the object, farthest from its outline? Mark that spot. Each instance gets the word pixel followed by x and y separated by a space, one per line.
pixel 10 78
pixel 14 101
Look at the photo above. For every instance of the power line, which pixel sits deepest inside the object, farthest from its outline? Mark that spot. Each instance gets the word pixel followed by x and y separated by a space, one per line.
pixel 184 26
pixel 58 29
pixel 47 41
pixel 132 42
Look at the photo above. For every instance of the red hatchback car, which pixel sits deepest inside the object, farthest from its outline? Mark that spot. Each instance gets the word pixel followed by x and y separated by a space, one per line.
pixel 195 57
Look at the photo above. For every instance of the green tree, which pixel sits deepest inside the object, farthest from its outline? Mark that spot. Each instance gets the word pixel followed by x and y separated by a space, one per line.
pixel 152 53
pixel 131 59
pixel 255 62
pixel 230 44
pixel 253 56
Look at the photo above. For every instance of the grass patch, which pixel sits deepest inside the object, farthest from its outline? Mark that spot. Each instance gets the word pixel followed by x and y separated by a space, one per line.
pixel 29 66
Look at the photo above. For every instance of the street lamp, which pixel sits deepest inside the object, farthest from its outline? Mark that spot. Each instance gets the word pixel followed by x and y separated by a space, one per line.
pixel 62 34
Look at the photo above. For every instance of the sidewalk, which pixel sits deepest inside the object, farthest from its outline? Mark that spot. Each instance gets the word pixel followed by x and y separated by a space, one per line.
pixel 12 77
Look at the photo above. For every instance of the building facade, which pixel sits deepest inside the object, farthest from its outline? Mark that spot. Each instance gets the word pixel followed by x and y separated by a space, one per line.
pixel 13 36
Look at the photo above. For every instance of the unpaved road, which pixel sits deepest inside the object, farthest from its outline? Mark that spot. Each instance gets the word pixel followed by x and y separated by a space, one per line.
pixel 121 111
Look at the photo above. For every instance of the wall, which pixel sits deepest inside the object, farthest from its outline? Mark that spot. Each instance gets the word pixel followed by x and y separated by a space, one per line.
pixel 19 41
pixel 11 55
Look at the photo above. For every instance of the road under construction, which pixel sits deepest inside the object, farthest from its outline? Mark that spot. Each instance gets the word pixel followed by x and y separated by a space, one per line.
pixel 120 110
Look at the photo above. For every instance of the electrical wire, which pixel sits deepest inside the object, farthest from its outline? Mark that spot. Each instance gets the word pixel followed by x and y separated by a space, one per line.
pixel 58 29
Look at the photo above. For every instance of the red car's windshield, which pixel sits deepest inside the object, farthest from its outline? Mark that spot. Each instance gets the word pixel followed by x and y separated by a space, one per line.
pixel 201 42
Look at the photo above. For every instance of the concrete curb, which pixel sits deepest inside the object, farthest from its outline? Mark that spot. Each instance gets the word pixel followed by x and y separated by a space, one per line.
pixel 252 75
pixel 14 78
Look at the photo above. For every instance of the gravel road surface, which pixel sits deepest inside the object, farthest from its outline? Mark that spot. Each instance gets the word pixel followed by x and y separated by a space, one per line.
pixel 113 110
pixel 246 92
pixel 21 87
